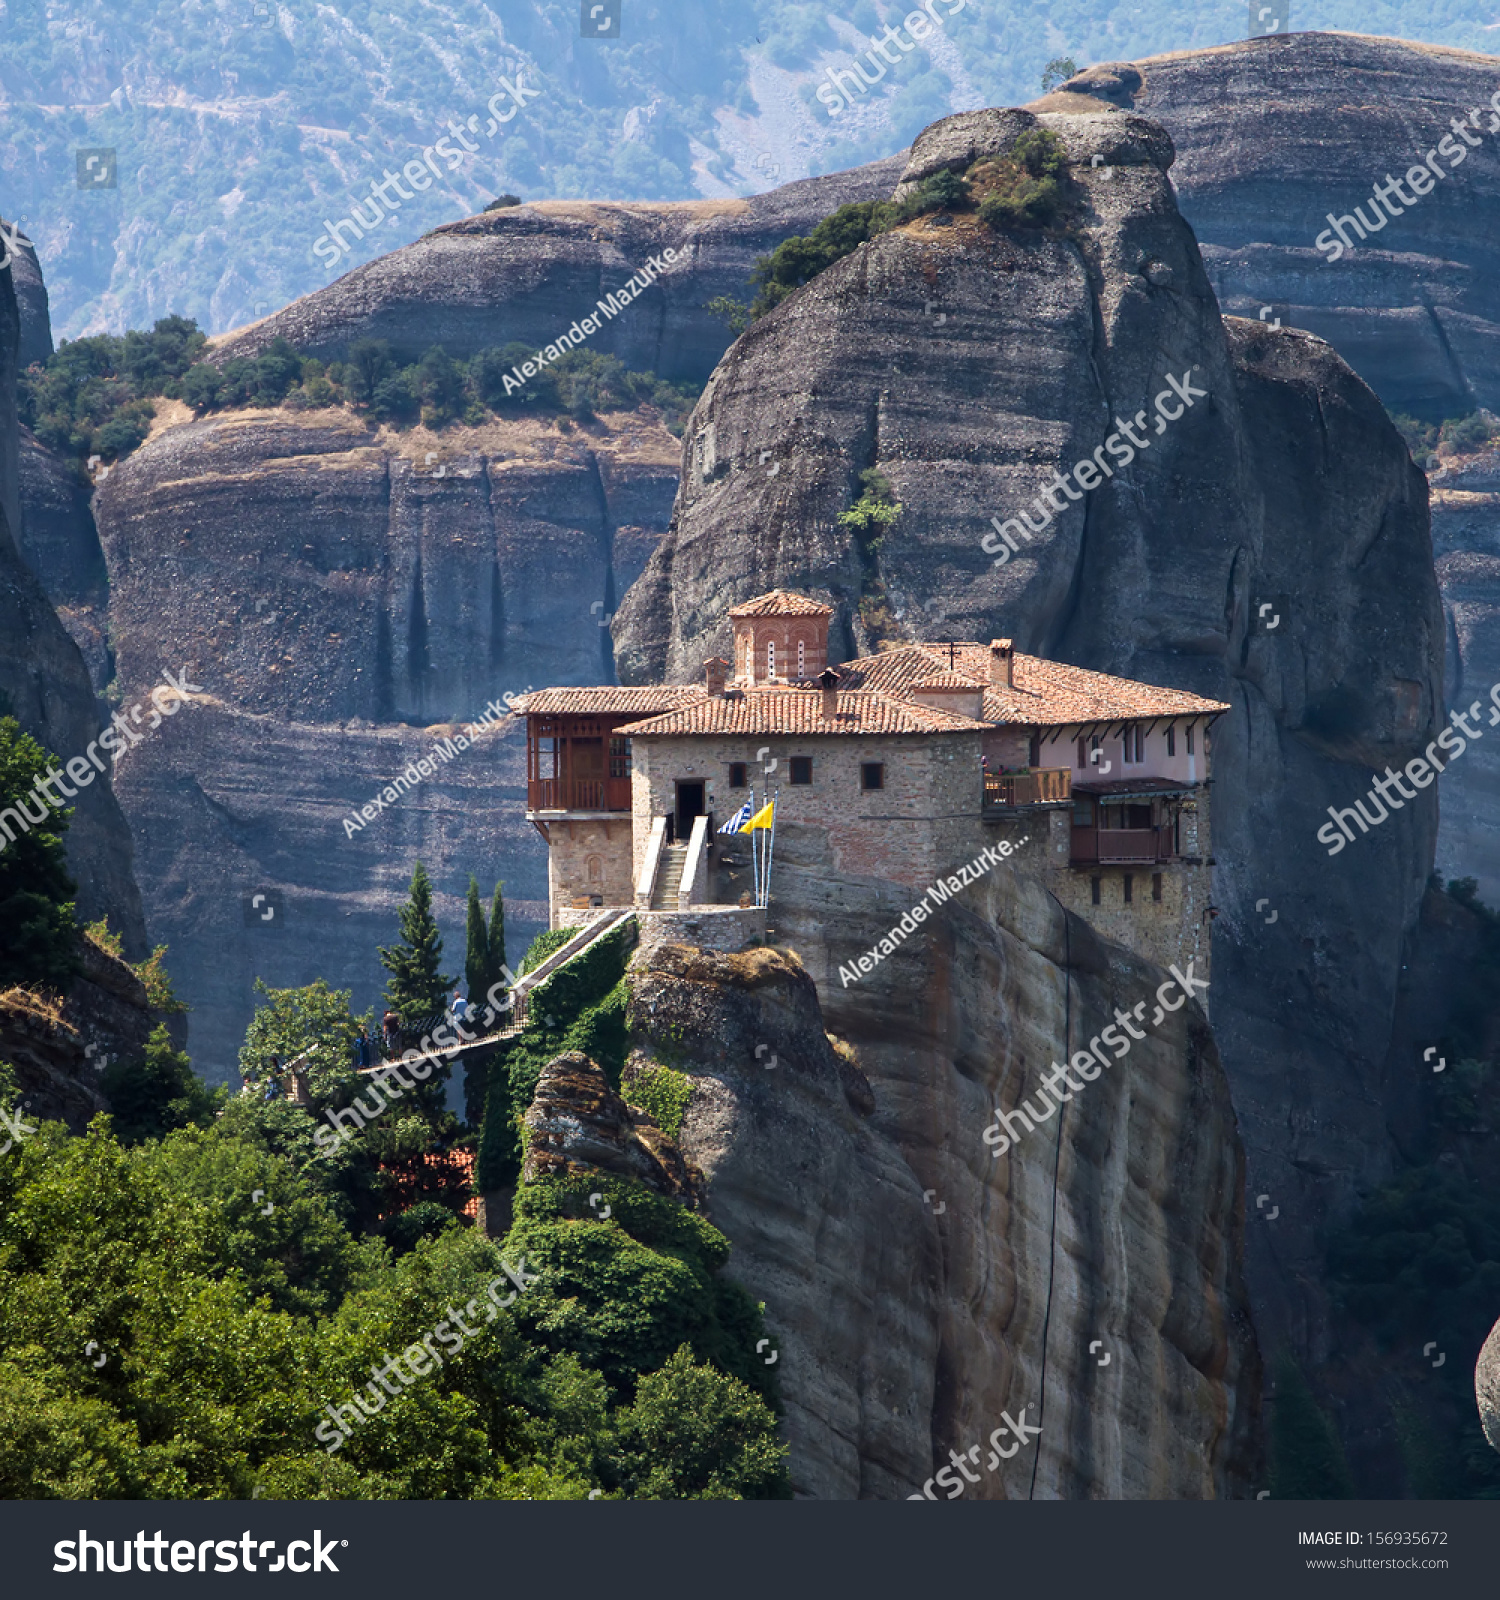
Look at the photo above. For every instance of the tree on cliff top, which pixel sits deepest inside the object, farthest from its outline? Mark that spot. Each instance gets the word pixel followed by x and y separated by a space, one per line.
pixel 418 988
pixel 38 933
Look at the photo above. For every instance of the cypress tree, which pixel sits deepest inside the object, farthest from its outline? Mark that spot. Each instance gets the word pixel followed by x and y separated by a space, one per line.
pixel 477 951
pixel 497 934
pixel 418 988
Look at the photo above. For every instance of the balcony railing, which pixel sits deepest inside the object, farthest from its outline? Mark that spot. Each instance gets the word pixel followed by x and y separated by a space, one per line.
pixel 1120 846
pixel 1027 788
pixel 578 794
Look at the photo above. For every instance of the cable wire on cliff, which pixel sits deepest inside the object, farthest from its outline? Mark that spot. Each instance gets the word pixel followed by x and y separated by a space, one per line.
pixel 1056 1166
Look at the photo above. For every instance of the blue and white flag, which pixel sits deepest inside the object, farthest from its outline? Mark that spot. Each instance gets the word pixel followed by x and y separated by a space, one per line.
pixel 738 820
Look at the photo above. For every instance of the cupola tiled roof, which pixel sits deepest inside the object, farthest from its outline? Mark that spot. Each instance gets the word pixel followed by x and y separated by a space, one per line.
pixel 782 603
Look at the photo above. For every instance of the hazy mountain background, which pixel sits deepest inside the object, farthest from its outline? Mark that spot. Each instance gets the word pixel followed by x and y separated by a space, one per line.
pixel 241 125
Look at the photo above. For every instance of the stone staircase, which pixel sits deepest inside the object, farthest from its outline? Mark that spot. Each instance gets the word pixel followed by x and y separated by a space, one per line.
pixel 669 878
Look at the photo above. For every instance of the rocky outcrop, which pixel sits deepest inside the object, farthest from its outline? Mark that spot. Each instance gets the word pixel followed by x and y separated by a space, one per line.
pixel 529 272
pixel 1487 1386
pixel 59 1049
pixel 916 1285
pixel 1274 134
pixel 35 342
pixel 45 684
pixel 1160 574
pixel 577 1122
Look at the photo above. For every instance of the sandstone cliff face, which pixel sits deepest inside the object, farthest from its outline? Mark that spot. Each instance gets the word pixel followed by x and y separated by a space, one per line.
pixel 1285 483
pixel 341 600
pixel 46 684
pixel 1274 134
pixel 918 1287
pixel 530 271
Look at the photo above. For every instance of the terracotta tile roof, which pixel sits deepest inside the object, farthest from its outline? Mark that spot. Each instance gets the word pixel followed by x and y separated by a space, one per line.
pixel 948 680
pixel 1044 693
pixel 781 603
pixel 636 702
pixel 786 711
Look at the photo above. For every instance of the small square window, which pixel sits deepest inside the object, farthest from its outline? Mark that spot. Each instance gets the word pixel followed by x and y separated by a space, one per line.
pixel 872 775
pixel 1129 884
pixel 1156 886
pixel 736 774
pixel 1083 813
pixel 801 769
pixel 1094 887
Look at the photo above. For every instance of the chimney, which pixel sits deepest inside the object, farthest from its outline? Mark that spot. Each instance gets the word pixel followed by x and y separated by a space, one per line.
pixel 828 681
pixel 1002 664
pixel 715 671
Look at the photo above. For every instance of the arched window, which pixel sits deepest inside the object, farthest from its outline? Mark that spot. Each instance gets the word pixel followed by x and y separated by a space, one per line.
pixel 595 869
pixel 770 658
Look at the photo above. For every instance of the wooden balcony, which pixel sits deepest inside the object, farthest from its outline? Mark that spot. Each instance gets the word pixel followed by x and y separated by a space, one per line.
pixel 1120 847
pixel 578 794
pixel 1027 788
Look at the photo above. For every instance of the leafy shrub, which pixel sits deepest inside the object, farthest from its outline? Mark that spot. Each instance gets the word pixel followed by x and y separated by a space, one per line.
pixel 1023 186
pixel 664 1094
pixel 876 508
pixel 159 1092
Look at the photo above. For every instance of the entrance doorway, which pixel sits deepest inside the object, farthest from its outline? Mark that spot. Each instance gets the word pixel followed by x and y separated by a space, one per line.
pixel 689 805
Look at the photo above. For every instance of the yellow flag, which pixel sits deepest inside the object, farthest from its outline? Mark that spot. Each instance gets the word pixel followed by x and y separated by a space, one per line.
pixel 761 819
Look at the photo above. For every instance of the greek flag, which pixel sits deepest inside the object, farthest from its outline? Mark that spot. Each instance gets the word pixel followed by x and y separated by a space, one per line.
pixel 738 820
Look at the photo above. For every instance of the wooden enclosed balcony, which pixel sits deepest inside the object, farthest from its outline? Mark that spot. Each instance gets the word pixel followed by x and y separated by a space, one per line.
pixel 1027 788
pixel 577 763
pixel 1120 846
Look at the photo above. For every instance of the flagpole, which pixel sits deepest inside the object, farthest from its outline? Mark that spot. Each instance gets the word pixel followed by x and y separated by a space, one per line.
pixel 770 847
pixel 754 853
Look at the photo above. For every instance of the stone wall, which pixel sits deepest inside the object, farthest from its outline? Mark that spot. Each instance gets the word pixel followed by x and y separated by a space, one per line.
pixel 921 823
pixel 589 858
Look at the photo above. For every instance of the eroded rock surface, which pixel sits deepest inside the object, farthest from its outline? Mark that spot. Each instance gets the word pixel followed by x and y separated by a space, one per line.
pixel 916 1286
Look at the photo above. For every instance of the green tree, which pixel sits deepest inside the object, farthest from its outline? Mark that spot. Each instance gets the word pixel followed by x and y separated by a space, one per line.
pixel 38 930
pixel 314 1022
pixel 697 1434
pixel 1307 1460
pixel 418 988
pixel 477 947
pixel 497 934
pixel 159 1092
pixel 1058 70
